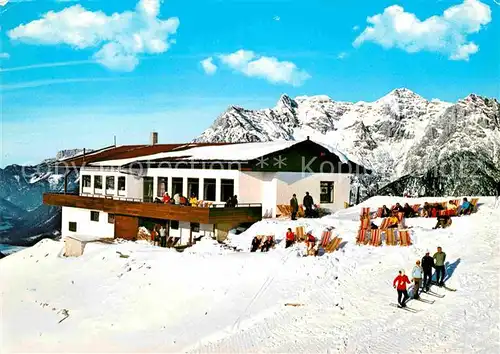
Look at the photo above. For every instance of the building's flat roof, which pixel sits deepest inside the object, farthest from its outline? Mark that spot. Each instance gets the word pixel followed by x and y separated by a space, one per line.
pixel 194 152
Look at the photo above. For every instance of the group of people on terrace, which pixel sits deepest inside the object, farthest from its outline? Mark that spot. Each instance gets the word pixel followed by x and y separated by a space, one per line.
pixel 180 199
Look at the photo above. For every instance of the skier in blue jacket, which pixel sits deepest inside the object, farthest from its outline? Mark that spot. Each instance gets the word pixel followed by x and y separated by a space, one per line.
pixel 416 274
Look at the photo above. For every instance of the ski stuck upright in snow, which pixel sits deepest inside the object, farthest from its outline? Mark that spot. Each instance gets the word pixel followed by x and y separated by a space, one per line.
pixel 409 309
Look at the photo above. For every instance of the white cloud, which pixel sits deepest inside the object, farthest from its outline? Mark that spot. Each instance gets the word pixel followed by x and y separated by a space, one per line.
pixel 355 28
pixel 269 68
pixel 4 55
pixel 208 66
pixel 120 38
pixel 444 34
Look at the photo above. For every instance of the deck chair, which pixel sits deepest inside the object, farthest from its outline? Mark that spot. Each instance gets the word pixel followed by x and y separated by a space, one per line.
pixel 281 209
pixel 376 237
pixel 301 212
pixel 346 205
pixel 325 238
pixel 385 224
pixel 401 216
pixel 362 237
pixel 404 238
pixel 365 224
pixel 443 204
pixel 300 233
pixel 416 208
pixel 365 212
pixel 390 237
pixel 473 202
pixel 456 202
pixel 379 212
pixel 333 245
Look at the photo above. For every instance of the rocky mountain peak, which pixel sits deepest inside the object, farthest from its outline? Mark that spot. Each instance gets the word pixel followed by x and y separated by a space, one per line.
pixel 286 103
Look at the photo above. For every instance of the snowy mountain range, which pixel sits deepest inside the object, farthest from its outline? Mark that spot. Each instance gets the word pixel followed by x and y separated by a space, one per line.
pixel 23 218
pixel 412 144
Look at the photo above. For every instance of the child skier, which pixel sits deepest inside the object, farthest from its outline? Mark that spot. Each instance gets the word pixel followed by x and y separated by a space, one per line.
pixel 399 284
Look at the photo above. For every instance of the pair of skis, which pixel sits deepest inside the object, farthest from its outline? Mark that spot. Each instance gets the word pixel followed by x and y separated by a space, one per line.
pixel 443 286
pixel 430 302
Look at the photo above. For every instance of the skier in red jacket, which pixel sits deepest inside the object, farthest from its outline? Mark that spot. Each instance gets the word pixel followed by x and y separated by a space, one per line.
pixel 399 283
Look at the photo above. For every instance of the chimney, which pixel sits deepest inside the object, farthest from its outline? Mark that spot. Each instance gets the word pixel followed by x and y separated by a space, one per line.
pixel 308 137
pixel 154 138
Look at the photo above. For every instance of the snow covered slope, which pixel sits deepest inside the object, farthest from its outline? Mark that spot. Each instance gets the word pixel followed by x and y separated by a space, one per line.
pixel 211 299
pixel 402 134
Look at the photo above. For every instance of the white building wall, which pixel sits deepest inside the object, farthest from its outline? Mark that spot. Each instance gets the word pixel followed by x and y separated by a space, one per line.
pixel 84 225
pixel 289 183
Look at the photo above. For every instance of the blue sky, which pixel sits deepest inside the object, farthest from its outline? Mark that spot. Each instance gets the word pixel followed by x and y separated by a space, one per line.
pixel 76 73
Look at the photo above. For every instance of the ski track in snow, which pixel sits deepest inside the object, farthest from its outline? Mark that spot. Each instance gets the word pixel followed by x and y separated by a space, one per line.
pixel 219 301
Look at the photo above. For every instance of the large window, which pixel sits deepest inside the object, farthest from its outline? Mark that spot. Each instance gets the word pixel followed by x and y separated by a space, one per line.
pixel 86 181
pixel 226 189
pixel 174 224
pixel 193 187
pixel 121 183
pixel 72 225
pixel 326 195
pixel 177 183
pixel 94 216
pixel 110 182
pixel 111 218
pixel 97 182
pixel 209 189
pixel 195 227
pixel 162 186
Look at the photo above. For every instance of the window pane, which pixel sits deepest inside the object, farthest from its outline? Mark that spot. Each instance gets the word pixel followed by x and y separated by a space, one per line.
pixel 98 182
pixel 162 186
pixel 94 215
pixel 209 189
pixel 174 224
pixel 86 181
pixel 226 189
pixel 110 182
pixel 193 187
pixel 111 218
pixel 326 195
pixel 177 183
pixel 72 225
pixel 195 227
pixel 121 183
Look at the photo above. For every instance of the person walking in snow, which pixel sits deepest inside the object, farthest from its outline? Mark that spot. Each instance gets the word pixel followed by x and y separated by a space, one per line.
pixel 427 266
pixel 399 284
pixel 439 259
pixel 163 236
pixel 294 206
pixel 417 279
pixel 308 203
pixel 290 238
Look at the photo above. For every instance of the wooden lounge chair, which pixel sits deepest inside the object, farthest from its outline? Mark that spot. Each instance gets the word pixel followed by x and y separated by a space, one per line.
pixel 300 233
pixel 365 224
pixel 362 237
pixel 401 216
pixel 282 210
pixel 301 212
pixel 416 208
pixel 333 245
pixel 346 205
pixel 325 238
pixel 404 238
pixel 385 224
pixel 473 202
pixel 376 237
pixel 365 212
pixel 390 237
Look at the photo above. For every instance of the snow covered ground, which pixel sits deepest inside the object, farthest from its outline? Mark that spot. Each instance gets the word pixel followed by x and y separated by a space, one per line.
pixel 213 299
